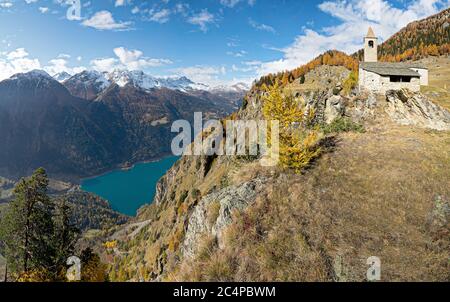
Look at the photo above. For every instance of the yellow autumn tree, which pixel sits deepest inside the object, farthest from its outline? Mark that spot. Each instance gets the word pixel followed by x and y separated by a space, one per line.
pixel 92 268
pixel 350 82
pixel 298 144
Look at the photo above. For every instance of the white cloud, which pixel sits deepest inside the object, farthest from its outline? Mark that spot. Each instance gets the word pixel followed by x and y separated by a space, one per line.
pixel 17 54
pixel 60 65
pixel 64 56
pixel 237 54
pixel 202 19
pixel 119 3
pixel 181 8
pixel 43 9
pixel 105 64
pixel 16 61
pixel 127 59
pixel 232 3
pixel 103 20
pixel 135 10
pixel 19 61
pixel 210 75
pixel 161 16
pixel 229 3
pixel 30 1
pixel 355 17
pixel 6 4
pixel 261 26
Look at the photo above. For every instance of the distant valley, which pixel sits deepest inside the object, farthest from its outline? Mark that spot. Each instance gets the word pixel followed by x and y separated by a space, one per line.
pixel 86 124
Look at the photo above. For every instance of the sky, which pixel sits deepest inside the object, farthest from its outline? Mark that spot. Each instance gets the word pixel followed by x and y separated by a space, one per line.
pixel 215 42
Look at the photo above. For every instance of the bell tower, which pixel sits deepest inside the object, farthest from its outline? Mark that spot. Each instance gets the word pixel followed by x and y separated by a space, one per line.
pixel 370 47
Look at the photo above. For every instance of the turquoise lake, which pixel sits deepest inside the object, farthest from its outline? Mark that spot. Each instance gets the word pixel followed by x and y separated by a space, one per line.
pixel 128 190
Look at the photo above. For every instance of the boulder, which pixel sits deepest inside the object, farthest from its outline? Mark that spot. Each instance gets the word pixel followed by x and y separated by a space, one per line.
pixel 334 108
pixel 408 108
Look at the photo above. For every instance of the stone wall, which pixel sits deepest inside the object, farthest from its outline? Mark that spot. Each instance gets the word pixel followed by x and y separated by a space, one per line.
pixel 381 84
pixel 369 80
pixel 423 75
pixel 386 85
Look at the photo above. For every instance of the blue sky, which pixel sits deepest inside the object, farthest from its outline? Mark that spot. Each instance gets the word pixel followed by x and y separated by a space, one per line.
pixel 210 41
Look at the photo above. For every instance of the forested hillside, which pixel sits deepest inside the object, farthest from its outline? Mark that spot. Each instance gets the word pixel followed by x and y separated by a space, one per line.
pixel 330 58
pixel 420 39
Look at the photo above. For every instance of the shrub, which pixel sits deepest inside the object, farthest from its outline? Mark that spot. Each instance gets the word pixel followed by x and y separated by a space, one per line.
pixel 342 124
pixel 213 212
pixel 336 91
pixel 350 83
pixel 302 79
pixel 195 193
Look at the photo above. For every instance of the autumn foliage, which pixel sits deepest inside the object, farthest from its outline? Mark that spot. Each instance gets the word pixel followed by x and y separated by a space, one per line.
pixel 330 58
pixel 298 145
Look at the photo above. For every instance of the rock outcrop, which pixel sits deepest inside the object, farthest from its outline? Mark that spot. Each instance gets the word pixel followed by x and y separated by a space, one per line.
pixel 213 214
pixel 409 108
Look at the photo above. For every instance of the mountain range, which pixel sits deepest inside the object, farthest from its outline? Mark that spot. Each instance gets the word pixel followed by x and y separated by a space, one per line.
pixel 88 123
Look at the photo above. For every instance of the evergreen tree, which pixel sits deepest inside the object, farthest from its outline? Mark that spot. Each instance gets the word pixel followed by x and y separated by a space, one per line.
pixel 27 227
pixel 65 236
pixel 36 235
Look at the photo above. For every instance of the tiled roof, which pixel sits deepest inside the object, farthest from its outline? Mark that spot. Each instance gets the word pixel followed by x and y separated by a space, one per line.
pixel 398 69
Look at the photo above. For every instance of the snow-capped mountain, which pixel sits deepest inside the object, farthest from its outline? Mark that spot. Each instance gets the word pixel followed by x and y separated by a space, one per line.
pixel 238 87
pixel 34 74
pixel 87 84
pixel 145 81
pixel 62 76
pixel 90 84
pixel 135 78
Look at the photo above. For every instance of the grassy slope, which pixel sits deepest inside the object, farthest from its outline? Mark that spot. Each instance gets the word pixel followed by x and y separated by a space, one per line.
pixel 373 196
pixel 439 85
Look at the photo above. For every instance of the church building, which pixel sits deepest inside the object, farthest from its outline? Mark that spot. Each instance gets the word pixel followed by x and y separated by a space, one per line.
pixel 380 77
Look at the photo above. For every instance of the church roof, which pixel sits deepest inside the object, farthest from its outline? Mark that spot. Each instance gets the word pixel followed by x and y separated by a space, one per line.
pixel 370 33
pixel 397 69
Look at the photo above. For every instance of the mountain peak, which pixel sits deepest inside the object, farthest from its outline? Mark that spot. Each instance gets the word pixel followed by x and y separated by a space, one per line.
pixel 62 76
pixel 136 78
pixel 33 74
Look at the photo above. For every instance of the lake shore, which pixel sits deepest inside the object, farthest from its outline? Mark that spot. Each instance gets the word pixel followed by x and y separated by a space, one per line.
pixel 123 167
pixel 129 188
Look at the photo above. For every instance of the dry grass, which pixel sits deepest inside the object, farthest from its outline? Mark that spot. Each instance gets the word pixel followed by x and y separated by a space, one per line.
pixel 439 84
pixel 374 196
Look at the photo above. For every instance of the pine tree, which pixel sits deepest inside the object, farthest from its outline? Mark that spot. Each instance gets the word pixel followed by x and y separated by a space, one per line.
pixel 27 228
pixel 65 235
